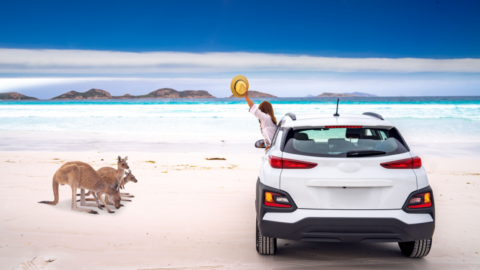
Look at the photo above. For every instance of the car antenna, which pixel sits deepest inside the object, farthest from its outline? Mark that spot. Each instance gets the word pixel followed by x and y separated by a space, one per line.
pixel 336 114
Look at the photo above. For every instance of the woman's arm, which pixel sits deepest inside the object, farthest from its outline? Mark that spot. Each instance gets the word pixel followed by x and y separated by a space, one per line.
pixel 249 101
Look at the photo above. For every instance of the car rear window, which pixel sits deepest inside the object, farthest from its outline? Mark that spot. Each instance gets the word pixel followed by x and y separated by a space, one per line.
pixel 344 142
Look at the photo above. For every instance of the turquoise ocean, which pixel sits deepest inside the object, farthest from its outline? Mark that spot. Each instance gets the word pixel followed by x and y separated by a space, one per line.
pixel 420 119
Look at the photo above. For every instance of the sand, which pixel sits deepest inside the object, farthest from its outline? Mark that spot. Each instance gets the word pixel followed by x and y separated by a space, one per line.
pixel 192 213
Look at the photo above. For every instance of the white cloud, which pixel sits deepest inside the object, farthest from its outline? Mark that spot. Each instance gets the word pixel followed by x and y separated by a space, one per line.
pixel 113 62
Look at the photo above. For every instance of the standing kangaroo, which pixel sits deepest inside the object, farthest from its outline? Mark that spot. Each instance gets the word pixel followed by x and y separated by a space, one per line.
pixel 78 174
pixel 118 173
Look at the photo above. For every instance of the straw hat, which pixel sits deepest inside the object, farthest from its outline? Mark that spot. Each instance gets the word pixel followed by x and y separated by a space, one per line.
pixel 239 86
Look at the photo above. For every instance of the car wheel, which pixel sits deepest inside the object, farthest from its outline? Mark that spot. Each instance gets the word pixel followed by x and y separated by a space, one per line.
pixel 265 245
pixel 416 249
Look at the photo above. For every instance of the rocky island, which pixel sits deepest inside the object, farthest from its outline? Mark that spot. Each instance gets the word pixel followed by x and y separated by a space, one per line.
pixel 15 96
pixel 336 95
pixel 256 94
pixel 172 93
pixel 90 94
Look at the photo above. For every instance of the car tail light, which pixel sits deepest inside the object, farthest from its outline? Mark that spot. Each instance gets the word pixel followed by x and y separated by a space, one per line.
pixel 284 163
pixel 343 126
pixel 423 200
pixel 408 163
pixel 275 162
pixel 417 163
pixel 276 200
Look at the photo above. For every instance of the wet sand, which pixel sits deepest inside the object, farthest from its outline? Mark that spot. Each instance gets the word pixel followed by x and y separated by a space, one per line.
pixel 191 213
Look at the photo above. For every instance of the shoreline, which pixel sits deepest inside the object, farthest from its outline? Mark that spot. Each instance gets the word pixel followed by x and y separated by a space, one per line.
pixel 83 142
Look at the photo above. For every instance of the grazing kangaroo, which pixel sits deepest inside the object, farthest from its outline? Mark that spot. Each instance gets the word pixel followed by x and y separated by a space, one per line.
pixel 78 174
pixel 109 178
pixel 121 167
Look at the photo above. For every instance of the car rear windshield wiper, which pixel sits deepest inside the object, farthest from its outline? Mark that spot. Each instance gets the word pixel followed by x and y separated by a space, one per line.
pixel 363 153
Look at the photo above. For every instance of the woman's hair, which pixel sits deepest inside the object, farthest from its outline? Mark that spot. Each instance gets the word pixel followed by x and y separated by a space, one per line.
pixel 266 107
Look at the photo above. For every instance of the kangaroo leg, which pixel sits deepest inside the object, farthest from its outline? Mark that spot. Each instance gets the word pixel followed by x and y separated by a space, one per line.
pixel 73 179
pixel 106 206
pixel 74 204
pixel 83 201
pixel 88 200
pixel 125 200
pixel 87 194
pixel 98 203
pixel 107 200
pixel 122 193
pixel 55 193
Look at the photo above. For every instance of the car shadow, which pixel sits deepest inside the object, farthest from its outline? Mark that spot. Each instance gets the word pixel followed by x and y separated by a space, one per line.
pixel 310 255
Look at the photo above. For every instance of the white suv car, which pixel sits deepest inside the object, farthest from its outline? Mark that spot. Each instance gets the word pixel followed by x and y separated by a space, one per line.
pixel 348 178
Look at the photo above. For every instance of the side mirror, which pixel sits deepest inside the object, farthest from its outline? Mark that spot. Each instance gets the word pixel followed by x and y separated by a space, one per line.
pixel 260 144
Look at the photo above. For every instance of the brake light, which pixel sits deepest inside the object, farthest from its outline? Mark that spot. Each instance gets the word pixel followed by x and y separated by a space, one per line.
pixel 408 163
pixel 284 163
pixel 343 126
pixel 423 200
pixel 275 162
pixel 417 162
pixel 276 200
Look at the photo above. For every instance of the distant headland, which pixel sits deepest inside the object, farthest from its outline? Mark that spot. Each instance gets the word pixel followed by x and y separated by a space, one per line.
pixel 15 96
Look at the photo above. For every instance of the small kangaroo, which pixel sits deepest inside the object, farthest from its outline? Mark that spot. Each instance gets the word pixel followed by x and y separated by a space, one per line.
pixel 129 177
pixel 78 174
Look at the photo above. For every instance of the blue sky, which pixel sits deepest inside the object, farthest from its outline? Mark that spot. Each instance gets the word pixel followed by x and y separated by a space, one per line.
pixel 313 46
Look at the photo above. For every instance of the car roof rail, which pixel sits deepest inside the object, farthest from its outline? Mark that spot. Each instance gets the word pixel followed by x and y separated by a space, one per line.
pixel 372 114
pixel 291 115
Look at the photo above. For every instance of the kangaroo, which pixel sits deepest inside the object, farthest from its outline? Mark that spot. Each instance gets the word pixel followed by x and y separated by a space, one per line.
pixel 78 174
pixel 129 177
pixel 109 178
pixel 121 167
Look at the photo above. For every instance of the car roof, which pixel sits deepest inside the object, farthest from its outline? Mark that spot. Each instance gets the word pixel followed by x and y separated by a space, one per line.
pixel 321 120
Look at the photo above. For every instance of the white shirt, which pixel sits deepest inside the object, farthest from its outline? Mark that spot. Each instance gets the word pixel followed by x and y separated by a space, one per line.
pixel 266 123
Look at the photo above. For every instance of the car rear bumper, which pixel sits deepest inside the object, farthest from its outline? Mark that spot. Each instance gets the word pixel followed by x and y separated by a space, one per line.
pixel 319 225
pixel 335 229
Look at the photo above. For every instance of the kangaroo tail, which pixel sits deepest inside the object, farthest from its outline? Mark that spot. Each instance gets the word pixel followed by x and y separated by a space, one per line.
pixel 55 193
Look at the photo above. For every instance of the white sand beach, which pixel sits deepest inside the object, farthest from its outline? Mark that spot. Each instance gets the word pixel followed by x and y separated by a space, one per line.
pixel 192 213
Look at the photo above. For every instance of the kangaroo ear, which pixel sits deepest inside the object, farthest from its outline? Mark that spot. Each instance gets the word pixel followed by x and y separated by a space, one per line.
pixel 125 158
pixel 116 186
pixel 119 159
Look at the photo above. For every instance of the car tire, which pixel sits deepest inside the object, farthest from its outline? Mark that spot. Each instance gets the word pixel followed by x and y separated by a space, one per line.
pixel 416 249
pixel 265 245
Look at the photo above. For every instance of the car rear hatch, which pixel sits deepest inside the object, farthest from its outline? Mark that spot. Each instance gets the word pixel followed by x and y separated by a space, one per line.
pixel 348 174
